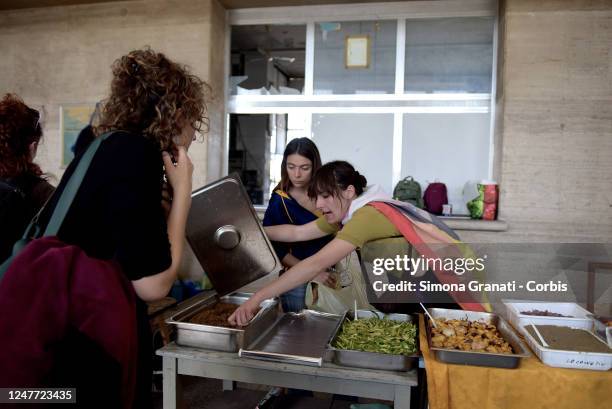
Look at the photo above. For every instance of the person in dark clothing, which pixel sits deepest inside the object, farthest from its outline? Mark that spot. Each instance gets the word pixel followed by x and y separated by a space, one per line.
pixel 154 109
pixel 290 204
pixel 23 189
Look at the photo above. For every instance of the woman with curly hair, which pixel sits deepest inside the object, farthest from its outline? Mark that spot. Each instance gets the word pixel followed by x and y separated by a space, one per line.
pixel 153 111
pixel 23 189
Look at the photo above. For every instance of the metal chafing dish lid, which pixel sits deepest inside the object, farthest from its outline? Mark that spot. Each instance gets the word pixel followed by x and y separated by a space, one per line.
pixel 227 237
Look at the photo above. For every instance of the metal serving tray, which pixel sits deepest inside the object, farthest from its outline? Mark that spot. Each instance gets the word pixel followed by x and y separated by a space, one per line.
pixel 229 242
pixel 478 358
pixel 372 360
pixel 296 338
pixel 221 338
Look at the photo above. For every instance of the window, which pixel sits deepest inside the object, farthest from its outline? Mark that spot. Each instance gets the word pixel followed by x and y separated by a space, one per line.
pixel 421 106
pixel 267 59
pixel 436 145
pixel 364 140
pixel 331 76
pixel 449 55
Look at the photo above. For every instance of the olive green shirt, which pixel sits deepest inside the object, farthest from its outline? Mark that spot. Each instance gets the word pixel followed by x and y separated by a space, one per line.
pixel 367 224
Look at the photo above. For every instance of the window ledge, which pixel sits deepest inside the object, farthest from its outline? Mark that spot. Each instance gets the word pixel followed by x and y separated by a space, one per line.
pixel 452 222
pixel 474 225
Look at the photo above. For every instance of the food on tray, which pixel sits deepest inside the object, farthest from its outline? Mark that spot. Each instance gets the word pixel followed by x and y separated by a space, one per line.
pixel 568 339
pixel 377 335
pixel 215 315
pixel 545 313
pixel 464 335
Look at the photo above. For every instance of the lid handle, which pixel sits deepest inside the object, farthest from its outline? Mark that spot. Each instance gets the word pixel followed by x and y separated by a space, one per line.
pixel 227 237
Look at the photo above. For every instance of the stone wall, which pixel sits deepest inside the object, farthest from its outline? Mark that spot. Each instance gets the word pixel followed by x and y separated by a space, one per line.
pixel 62 55
pixel 556 121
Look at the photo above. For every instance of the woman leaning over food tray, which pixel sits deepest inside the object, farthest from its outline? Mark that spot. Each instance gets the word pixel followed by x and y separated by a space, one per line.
pixel 356 214
pixel 290 204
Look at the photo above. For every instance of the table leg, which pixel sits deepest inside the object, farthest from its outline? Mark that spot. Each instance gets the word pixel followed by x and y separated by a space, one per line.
pixel 173 392
pixel 402 397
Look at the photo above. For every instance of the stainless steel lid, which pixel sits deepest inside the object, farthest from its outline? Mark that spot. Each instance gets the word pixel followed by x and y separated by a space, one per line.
pixel 227 237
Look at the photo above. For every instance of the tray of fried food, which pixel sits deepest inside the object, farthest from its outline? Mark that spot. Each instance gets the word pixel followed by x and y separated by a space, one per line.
pixel 467 335
pixel 474 338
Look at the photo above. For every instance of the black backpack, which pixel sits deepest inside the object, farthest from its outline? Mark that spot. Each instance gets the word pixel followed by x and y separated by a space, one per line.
pixel 15 210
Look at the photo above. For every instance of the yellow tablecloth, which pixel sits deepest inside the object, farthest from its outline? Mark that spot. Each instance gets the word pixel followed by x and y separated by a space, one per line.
pixel 532 385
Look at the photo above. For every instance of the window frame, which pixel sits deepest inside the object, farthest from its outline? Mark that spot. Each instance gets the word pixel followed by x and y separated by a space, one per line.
pixel 397 103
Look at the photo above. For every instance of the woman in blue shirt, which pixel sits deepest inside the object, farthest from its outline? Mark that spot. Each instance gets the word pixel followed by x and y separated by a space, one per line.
pixel 290 204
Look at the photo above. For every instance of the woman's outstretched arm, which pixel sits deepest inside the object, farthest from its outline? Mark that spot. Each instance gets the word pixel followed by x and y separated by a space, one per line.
pixel 299 274
pixel 290 233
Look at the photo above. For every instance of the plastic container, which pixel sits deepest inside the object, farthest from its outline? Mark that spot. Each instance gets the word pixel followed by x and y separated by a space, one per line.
pixel 514 308
pixel 570 359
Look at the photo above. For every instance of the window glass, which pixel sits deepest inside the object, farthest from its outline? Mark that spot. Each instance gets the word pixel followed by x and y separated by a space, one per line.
pixel 331 74
pixel 363 140
pixel 449 55
pixel 267 59
pixel 449 148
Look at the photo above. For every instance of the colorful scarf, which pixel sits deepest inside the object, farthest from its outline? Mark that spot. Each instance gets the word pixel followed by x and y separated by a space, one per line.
pixel 430 237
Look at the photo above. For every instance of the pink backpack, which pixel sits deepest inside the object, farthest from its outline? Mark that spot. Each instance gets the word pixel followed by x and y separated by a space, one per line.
pixel 435 197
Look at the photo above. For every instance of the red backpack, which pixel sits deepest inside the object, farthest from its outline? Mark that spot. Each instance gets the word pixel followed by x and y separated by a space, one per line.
pixel 435 197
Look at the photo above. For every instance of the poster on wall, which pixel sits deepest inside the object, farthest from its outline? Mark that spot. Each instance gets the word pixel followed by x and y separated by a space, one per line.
pixel 73 118
pixel 357 52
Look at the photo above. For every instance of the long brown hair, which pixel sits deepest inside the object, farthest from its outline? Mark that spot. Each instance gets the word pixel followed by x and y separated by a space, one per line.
pixel 303 147
pixel 19 127
pixel 153 96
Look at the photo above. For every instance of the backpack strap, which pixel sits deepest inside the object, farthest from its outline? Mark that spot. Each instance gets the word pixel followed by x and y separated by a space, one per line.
pixel 72 187
pixel 282 194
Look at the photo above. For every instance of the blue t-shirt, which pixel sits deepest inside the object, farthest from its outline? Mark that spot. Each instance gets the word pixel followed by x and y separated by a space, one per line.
pixel 283 209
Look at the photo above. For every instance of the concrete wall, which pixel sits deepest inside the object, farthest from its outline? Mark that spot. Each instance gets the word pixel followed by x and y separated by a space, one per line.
pixel 61 55
pixel 555 130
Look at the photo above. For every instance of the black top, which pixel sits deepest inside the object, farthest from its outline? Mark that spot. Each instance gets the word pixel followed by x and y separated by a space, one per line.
pixel 117 211
pixel 116 214
pixel 20 199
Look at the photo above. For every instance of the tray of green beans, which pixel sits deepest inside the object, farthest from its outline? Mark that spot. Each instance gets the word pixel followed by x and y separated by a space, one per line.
pixel 375 341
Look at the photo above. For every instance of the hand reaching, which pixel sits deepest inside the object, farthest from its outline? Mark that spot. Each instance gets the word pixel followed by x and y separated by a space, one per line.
pixel 243 315
pixel 327 278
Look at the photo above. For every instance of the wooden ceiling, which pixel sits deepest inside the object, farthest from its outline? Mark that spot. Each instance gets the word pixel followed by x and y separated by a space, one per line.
pixel 230 4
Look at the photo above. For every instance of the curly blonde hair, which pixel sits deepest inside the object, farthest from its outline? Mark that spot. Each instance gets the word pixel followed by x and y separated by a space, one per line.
pixel 153 96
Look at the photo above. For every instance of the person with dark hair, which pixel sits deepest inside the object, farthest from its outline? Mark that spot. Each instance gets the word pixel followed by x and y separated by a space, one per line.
pixel 356 214
pixel 23 188
pixel 290 204
pixel 153 111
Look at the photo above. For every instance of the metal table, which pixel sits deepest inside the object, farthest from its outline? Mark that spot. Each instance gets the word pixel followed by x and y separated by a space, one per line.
pixel 178 360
